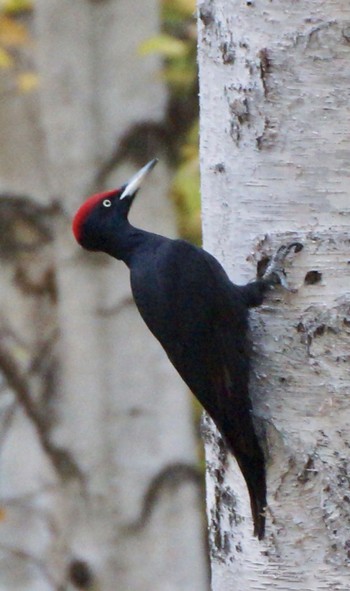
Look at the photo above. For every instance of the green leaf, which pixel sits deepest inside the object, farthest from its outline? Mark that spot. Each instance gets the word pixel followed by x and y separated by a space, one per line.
pixel 164 45
pixel 15 6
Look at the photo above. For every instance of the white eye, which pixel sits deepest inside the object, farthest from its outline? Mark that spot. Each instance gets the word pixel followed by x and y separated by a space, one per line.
pixel 106 202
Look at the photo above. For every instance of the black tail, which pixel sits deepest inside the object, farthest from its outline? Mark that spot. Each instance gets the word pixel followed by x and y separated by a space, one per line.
pixel 244 445
pixel 253 470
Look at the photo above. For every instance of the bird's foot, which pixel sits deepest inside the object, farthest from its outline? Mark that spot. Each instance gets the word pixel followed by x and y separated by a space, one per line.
pixel 275 273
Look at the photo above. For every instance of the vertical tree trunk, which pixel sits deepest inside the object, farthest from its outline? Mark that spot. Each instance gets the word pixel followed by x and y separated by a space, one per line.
pixel 122 403
pixel 274 162
pixel 99 477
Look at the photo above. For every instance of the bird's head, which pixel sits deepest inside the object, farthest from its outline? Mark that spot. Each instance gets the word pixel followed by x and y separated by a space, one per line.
pixel 99 217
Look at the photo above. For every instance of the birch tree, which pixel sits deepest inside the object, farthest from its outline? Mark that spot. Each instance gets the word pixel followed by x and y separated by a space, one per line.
pixel 99 485
pixel 274 88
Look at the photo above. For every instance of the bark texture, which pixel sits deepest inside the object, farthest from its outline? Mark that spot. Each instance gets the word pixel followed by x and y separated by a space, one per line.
pixel 99 485
pixel 274 163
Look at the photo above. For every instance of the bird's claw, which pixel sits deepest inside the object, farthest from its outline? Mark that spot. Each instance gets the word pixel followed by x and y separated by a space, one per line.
pixel 275 273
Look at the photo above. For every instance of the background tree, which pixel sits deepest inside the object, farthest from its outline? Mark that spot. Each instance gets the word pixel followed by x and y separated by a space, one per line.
pixel 99 483
pixel 274 167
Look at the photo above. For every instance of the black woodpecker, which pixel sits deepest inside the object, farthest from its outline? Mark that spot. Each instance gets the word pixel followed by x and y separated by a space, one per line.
pixel 197 314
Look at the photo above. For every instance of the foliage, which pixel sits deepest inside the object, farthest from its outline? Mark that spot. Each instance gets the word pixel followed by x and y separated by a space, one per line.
pixel 185 187
pixel 12 35
pixel 15 6
pixel 177 45
pixel 14 39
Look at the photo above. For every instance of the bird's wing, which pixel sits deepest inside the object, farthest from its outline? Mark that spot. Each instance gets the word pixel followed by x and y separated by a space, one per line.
pixel 200 319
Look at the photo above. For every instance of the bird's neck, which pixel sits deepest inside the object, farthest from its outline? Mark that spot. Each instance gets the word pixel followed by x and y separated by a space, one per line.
pixel 128 242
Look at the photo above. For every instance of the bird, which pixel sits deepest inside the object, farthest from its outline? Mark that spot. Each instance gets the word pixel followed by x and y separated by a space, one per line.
pixel 199 316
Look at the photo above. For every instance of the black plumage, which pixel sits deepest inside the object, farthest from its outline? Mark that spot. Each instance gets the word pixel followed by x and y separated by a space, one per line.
pixel 198 315
pixel 201 320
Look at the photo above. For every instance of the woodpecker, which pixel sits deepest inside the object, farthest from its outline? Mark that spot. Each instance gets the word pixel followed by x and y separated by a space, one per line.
pixel 197 314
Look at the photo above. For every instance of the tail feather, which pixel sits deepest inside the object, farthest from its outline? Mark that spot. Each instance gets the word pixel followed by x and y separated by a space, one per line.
pixel 254 475
pixel 252 466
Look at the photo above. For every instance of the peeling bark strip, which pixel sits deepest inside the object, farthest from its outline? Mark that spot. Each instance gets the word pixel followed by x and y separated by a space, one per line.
pixel 275 122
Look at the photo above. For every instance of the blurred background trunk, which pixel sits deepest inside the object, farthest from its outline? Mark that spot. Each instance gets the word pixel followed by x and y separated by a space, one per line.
pixel 99 480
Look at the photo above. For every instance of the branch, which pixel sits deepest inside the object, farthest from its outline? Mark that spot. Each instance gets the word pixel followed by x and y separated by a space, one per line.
pixel 117 308
pixel 140 142
pixel 61 459
pixel 172 475
pixel 37 562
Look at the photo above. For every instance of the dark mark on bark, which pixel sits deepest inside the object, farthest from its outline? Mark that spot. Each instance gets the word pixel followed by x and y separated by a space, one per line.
pixel 312 277
pixel 308 471
pixel 228 53
pixel 240 115
pixel 206 13
pixel 265 68
pixel 346 33
pixel 219 167
pixel 267 138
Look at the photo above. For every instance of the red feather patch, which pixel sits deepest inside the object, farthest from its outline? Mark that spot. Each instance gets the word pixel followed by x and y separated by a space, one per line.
pixel 86 208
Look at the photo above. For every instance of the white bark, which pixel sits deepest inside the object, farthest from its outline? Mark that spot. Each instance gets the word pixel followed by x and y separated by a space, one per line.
pixel 274 163
pixel 110 480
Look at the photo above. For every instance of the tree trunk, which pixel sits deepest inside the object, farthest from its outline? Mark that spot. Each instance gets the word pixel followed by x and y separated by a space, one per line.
pixel 274 163
pixel 99 478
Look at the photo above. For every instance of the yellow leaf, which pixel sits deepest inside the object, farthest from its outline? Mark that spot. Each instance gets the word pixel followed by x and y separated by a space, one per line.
pixel 2 514
pixel 6 60
pixel 13 6
pixel 186 7
pixel 27 81
pixel 164 45
pixel 12 33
